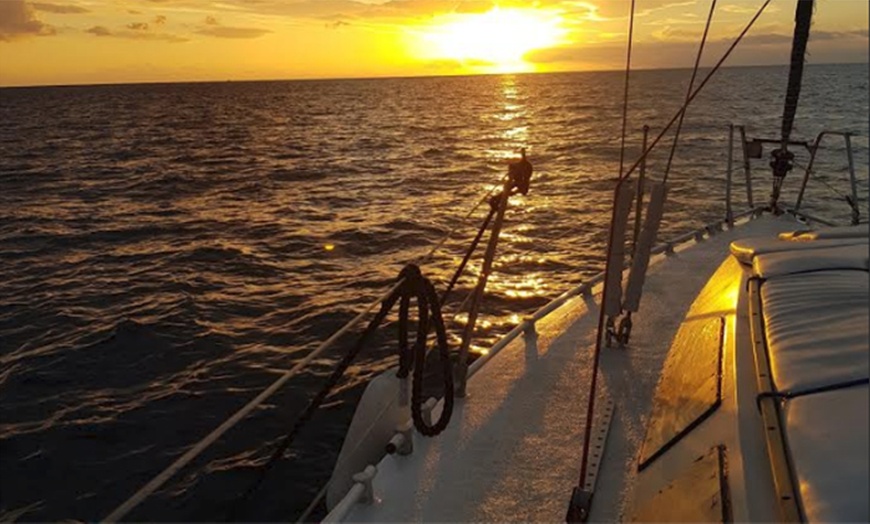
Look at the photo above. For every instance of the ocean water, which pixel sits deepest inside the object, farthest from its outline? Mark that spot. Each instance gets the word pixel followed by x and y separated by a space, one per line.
pixel 165 250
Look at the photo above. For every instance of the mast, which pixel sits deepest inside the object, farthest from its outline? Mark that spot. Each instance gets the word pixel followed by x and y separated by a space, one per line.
pixel 782 157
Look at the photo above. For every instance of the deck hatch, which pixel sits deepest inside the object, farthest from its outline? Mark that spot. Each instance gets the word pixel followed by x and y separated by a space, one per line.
pixel 698 494
pixel 690 388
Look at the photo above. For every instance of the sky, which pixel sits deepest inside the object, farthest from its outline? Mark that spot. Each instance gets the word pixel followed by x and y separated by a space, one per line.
pixel 57 42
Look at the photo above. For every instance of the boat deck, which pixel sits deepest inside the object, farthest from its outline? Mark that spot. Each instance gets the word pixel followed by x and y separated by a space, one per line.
pixel 512 450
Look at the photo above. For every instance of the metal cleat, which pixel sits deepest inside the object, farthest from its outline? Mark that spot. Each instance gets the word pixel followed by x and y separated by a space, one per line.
pixel 364 478
pixel 402 442
pixel 426 410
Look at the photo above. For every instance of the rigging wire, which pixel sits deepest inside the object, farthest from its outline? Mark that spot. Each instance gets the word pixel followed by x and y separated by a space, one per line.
pixel 625 90
pixel 689 91
pixel 574 512
pixel 462 221
pixel 697 91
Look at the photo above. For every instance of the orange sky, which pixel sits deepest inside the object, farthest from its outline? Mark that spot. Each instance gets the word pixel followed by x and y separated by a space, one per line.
pixel 108 41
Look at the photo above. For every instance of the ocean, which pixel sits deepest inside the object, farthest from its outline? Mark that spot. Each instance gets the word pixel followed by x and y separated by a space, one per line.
pixel 167 249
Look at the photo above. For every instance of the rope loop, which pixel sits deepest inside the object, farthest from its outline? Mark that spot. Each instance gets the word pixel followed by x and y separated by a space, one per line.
pixel 416 286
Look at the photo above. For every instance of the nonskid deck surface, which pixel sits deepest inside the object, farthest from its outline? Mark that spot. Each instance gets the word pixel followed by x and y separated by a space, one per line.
pixel 512 450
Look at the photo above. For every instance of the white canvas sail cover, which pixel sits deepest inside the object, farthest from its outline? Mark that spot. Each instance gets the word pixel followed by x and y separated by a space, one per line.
pixel 640 259
pixel 616 261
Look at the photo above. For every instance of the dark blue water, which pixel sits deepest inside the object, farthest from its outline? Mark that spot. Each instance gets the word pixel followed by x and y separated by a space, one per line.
pixel 167 249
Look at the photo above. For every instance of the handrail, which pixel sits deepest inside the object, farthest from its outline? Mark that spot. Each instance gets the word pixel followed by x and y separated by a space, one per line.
pixel 747 165
pixel 340 511
pixel 814 148
pixel 728 214
pixel 361 491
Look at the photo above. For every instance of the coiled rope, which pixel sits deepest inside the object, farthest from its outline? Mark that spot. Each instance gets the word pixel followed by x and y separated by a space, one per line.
pixel 411 284
pixel 493 202
pixel 420 287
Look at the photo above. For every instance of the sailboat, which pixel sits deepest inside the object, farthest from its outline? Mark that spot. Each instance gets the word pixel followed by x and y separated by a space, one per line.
pixel 715 377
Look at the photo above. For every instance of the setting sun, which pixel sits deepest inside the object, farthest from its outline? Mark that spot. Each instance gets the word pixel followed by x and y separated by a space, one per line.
pixel 495 40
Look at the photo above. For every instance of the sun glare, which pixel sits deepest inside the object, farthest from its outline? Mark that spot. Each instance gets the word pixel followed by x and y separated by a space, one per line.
pixel 494 41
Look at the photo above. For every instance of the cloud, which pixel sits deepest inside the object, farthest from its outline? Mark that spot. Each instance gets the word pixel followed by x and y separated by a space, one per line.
pixel 473 7
pixel 214 28
pixel 838 35
pixel 739 9
pixel 233 32
pixel 389 10
pixel 673 51
pixel 138 26
pixel 17 20
pixel 575 11
pixel 336 25
pixel 99 30
pixel 59 9
pixel 135 34
pixel 159 20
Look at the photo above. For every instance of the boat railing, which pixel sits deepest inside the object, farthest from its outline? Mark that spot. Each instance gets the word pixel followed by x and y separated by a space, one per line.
pixel 752 148
pixel 814 149
pixel 362 492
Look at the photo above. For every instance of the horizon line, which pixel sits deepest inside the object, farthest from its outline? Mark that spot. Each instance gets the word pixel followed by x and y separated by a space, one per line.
pixel 399 77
